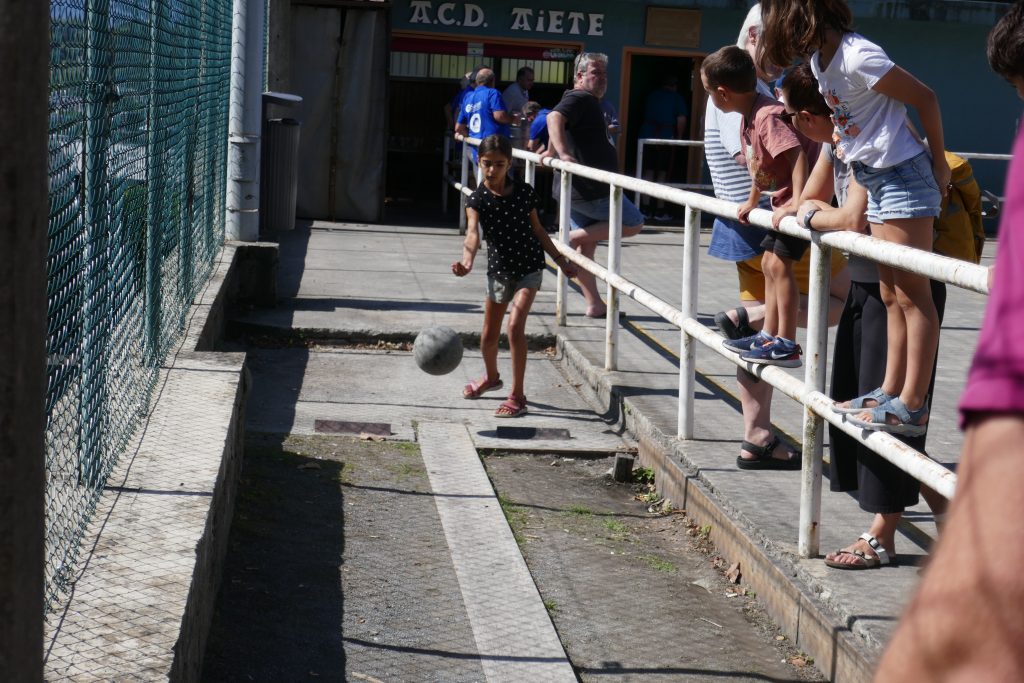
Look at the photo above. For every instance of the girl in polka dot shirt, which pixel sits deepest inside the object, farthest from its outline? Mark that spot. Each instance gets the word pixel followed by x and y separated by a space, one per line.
pixel 506 210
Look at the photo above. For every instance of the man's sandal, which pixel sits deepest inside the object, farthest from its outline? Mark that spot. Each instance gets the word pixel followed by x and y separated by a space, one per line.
pixel 764 460
pixel 859 404
pixel 473 390
pixel 737 330
pixel 513 406
pixel 864 561
pixel 908 421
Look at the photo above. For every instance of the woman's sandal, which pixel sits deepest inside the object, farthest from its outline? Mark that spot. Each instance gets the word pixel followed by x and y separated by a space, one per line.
pixel 737 330
pixel 764 459
pixel 514 406
pixel 858 405
pixel 865 561
pixel 908 420
pixel 473 390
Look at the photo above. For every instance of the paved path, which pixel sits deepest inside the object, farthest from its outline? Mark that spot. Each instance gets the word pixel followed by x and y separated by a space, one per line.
pixel 348 279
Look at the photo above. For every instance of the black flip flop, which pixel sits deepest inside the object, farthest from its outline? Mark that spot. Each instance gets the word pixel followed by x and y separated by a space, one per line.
pixel 764 459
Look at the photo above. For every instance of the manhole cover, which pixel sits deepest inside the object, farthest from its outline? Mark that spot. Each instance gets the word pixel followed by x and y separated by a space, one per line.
pixel 532 433
pixel 342 427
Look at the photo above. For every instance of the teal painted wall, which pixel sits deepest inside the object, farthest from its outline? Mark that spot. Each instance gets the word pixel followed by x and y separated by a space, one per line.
pixel 980 110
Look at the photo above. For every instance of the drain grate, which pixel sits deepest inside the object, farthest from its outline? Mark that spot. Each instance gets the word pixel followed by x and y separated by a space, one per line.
pixel 343 427
pixel 532 433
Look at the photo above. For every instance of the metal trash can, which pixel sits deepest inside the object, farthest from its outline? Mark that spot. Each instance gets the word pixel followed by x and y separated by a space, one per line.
pixel 279 167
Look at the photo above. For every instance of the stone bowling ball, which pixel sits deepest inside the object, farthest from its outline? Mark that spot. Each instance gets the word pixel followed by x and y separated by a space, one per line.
pixel 437 350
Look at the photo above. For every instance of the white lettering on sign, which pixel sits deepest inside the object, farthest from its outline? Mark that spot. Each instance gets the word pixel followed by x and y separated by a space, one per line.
pixel 447 14
pixel 523 18
pixel 556 21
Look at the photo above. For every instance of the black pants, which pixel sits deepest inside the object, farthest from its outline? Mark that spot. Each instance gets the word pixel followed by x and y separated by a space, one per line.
pixel 858 366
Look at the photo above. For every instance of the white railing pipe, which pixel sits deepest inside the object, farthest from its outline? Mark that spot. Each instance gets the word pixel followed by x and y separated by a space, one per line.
pixel 243 186
pixel 611 319
pixel 564 199
pixel 687 344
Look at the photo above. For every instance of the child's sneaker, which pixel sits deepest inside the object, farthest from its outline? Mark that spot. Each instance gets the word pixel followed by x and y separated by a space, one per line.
pixel 747 343
pixel 778 351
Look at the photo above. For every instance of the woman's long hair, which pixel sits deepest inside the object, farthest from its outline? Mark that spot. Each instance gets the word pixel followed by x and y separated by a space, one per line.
pixel 794 29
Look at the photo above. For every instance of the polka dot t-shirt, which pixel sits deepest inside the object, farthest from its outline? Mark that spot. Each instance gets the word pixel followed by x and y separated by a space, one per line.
pixel 512 249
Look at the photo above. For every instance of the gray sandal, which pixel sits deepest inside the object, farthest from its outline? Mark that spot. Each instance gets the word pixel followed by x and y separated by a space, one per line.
pixel 857 404
pixel 908 419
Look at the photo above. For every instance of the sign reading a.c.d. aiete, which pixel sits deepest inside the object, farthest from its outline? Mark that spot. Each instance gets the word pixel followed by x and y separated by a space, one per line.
pixel 525 19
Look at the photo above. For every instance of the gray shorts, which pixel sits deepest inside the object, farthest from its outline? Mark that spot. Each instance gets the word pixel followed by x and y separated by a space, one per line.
pixel 502 292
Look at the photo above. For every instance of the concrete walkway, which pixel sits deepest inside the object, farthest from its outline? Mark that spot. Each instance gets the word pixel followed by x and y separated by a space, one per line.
pixel 345 281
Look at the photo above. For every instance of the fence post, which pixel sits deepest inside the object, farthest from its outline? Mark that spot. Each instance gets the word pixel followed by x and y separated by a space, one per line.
pixel 639 169
pixel 687 344
pixel 463 179
pixel 564 199
pixel 243 196
pixel 815 358
pixel 446 156
pixel 611 322
pixel 530 173
pixel 154 187
pixel 24 52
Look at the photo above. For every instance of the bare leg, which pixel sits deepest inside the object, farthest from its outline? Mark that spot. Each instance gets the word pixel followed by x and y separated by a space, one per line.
pixel 965 622
pixel 771 309
pixel 585 240
pixel 787 297
pixel 521 304
pixel 493 315
pixel 883 527
pixel 913 324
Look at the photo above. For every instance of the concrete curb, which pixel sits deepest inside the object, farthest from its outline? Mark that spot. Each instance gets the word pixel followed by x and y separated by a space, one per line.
pixel 776 577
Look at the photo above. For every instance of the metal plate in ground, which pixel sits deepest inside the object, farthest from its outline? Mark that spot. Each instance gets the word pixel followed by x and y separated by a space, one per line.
pixel 547 433
pixel 344 427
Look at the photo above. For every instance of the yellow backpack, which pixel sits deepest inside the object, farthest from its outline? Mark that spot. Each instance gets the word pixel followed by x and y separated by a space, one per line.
pixel 958 230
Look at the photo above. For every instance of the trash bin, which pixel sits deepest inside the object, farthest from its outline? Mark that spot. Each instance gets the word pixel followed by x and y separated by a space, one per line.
pixel 279 166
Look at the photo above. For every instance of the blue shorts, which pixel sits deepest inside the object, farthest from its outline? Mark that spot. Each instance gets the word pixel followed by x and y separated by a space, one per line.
pixel 584 213
pixel 906 190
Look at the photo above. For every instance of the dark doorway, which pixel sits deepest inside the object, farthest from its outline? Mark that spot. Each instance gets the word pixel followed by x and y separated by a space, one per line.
pixel 646 73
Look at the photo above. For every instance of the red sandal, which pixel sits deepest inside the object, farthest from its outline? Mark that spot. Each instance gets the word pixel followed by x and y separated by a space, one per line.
pixel 514 406
pixel 473 390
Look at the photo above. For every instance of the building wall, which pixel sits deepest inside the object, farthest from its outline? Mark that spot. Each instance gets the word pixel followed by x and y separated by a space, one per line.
pixel 947 51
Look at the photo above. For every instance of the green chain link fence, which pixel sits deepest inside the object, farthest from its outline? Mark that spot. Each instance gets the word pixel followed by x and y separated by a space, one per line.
pixel 137 152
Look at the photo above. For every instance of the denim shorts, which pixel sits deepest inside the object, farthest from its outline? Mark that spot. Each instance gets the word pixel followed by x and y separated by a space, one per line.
pixel 906 190
pixel 584 213
pixel 502 292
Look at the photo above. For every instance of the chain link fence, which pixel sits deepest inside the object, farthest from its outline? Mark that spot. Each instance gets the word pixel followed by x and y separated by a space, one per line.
pixel 137 160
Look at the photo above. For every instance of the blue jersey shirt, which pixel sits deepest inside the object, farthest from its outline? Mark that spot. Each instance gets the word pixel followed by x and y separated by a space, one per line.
pixel 477 113
pixel 539 127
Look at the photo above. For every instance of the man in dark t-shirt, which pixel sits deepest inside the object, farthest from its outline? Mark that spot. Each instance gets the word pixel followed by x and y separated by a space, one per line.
pixel 578 134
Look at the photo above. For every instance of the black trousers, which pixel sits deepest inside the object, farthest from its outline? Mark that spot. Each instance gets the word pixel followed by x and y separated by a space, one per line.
pixel 858 366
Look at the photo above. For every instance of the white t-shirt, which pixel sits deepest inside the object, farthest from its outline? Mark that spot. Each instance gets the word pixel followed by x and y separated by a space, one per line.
pixel 870 127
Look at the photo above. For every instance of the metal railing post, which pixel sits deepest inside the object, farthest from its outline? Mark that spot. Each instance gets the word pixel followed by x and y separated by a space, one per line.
pixel 530 173
pixel 639 169
pixel 463 180
pixel 687 344
pixel 564 197
pixel 815 358
pixel 446 156
pixel 611 322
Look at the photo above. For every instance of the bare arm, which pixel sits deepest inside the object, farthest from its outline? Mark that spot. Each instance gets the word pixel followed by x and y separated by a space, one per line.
pixel 820 184
pixel 852 215
pixel 557 143
pixel 743 213
pixel 502 116
pixel 900 85
pixel 567 266
pixel 965 622
pixel 470 245
pixel 680 127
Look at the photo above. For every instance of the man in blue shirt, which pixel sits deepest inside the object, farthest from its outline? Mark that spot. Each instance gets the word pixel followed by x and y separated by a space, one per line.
pixel 537 119
pixel 483 111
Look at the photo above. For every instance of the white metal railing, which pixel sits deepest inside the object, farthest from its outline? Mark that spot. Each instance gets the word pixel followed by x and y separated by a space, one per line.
pixel 811 391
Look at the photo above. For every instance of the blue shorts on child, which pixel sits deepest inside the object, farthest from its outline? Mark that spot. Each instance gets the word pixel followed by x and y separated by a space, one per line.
pixel 906 190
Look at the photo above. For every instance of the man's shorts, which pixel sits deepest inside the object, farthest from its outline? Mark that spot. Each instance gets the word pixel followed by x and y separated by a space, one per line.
pixel 584 213
pixel 906 190
pixel 752 278
pixel 501 292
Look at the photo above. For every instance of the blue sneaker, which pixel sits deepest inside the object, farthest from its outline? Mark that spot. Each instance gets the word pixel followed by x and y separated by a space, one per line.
pixel 747 343
pixel 778 351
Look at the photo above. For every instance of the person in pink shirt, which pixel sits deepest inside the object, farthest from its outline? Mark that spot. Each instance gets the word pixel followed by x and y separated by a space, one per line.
pixel 966 622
